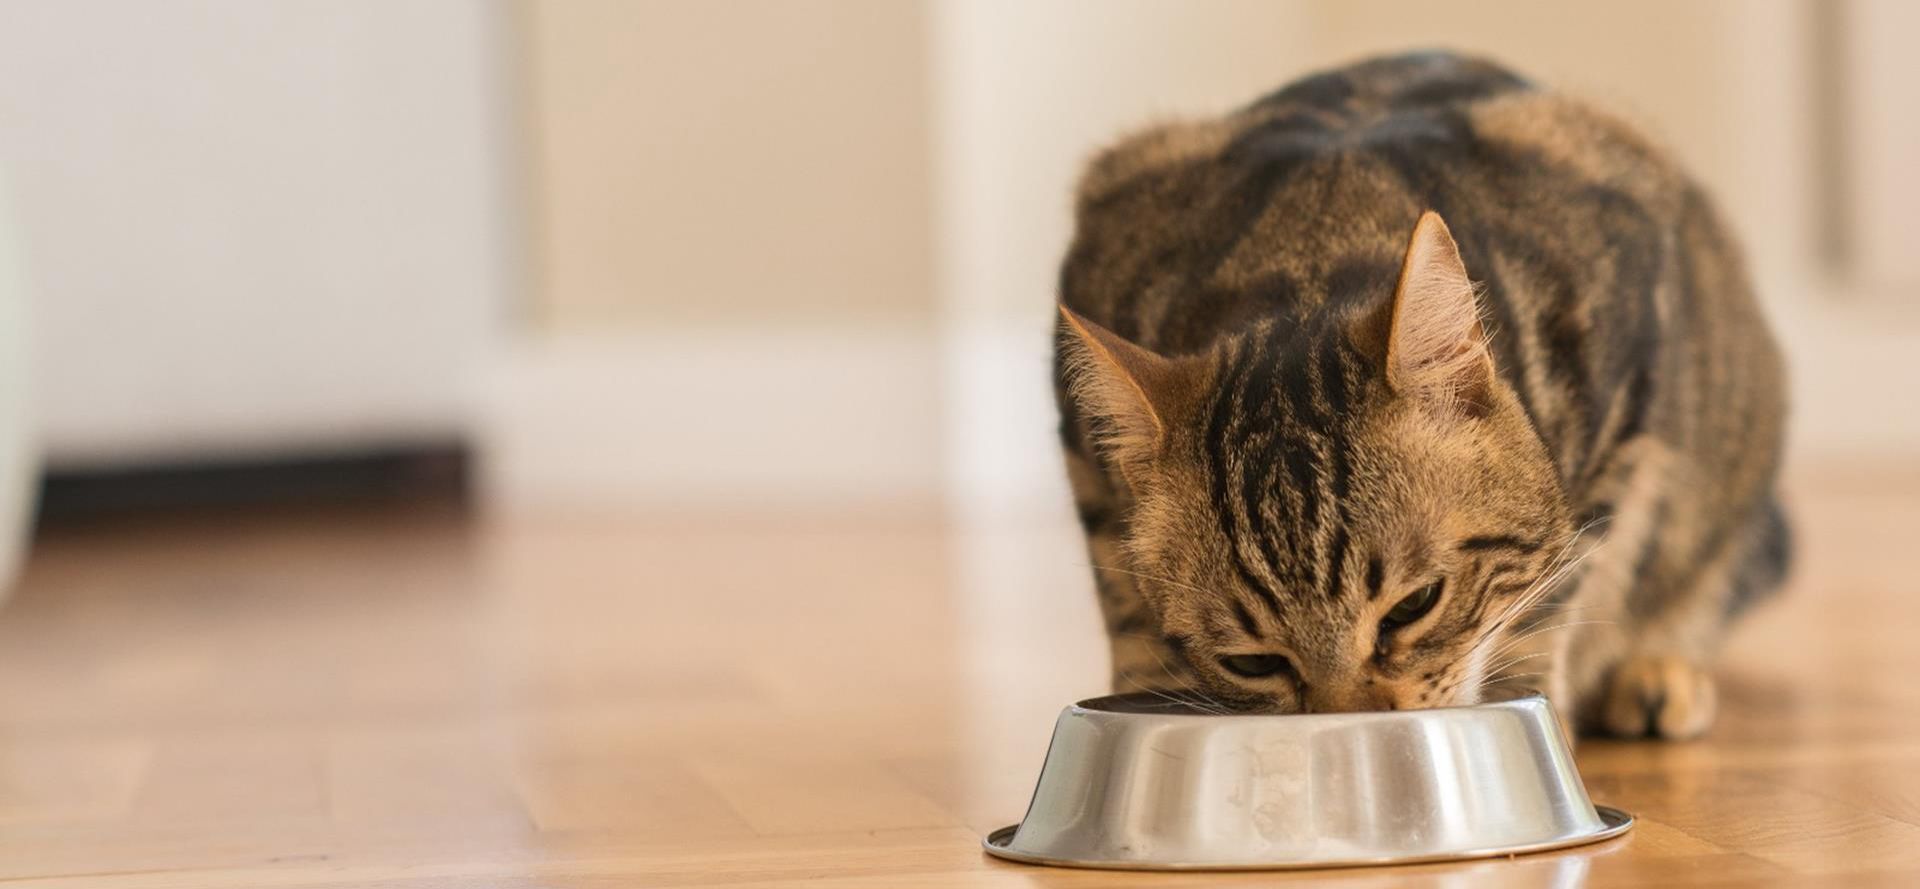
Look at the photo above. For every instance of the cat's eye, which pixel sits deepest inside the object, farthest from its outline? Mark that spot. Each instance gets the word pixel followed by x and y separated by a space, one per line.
pixel 1255 666
pixel 1413 607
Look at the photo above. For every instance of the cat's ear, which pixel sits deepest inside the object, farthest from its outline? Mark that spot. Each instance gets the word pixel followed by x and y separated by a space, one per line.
pixel 1135 394
pixel 1436 350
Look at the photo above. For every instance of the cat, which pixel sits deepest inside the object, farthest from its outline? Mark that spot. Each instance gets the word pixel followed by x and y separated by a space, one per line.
pixel 1413 382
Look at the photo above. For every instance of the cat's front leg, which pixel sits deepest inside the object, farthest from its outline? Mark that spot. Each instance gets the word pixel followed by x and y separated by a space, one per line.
pixel 1659 695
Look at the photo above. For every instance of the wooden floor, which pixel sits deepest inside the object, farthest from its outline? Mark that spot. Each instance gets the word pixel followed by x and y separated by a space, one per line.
pixel 416 699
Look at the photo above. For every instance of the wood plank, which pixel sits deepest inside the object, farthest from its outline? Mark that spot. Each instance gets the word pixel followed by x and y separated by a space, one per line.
pixel 407 699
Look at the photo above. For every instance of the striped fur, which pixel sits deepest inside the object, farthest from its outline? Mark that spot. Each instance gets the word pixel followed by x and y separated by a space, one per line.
pixel 1285 486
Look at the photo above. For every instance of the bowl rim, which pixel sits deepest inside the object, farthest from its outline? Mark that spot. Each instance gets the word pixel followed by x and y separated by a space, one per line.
pixel 1089 706
pixel 1614 822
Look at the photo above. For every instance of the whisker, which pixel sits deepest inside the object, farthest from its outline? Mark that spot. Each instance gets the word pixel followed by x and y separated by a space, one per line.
pixel 1510 677
pixel 1169 697
pixel 1173 695
pixel 1495 670
pixel 1558 569
pixel 1509 644
pixel 1191 696
pixel 1153 577
pixel 1559 626
pixel 1176 677
pixel 1195 691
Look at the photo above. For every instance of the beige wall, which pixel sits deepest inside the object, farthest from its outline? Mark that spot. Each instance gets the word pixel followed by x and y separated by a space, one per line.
pixel 1025 91
pixel 1028 90
pixel 1878 126
pixel 757 162
pixel 748 191
pixel 775 163
pixel 1724 84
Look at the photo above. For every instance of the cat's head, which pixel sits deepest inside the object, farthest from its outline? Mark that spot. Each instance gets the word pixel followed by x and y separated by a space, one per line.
pixel 1337 515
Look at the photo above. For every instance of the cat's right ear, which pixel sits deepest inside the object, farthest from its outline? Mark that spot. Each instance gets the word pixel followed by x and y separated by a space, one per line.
pixel 1429 337
pixel 1136 395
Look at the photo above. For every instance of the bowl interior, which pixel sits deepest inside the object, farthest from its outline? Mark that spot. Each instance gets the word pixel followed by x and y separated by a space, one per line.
pixel 1146 703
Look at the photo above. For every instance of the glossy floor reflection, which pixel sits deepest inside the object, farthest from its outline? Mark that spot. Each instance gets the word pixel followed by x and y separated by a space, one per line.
pixel 419 699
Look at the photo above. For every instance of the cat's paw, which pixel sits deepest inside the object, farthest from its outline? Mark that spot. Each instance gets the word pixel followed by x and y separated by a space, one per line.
pixel 1659 696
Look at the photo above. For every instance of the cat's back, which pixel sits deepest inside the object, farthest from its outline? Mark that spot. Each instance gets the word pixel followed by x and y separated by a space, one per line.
pixel 1617 303
pixel 1192 230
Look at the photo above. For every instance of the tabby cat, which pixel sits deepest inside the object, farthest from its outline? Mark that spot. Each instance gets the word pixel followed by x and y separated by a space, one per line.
pixel 1413 381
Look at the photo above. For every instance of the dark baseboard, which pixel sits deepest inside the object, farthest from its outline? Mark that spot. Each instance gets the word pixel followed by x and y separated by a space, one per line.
pixel 439 474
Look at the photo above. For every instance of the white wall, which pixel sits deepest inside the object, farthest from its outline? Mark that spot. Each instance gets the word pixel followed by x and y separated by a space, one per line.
pixel 256 227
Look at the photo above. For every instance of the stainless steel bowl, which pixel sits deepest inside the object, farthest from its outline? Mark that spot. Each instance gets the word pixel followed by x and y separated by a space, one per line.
pixel 1133 781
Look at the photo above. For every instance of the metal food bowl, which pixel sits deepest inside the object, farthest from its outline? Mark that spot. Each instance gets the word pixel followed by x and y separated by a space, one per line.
pixel 1136 781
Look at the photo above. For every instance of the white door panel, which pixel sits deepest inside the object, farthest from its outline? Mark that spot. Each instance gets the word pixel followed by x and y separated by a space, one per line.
pixel 252 226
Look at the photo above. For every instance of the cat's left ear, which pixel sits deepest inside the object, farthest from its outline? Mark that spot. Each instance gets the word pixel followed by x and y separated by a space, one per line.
pixel 1137 396
pixel 1436 350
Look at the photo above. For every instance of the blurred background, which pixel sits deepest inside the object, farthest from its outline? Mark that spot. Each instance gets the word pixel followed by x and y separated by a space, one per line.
pixel 664 255
pixel 453 431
